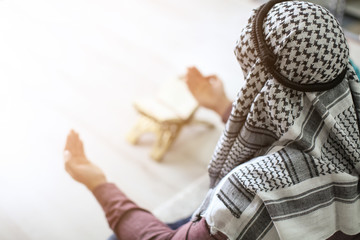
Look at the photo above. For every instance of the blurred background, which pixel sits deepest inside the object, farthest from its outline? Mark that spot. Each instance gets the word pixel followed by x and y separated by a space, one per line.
pixel 81 64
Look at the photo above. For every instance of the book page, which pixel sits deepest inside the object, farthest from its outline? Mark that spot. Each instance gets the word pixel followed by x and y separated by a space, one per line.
pixel 173 101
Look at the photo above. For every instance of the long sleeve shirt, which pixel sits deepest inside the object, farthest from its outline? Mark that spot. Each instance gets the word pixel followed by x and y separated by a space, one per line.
pixel 129 221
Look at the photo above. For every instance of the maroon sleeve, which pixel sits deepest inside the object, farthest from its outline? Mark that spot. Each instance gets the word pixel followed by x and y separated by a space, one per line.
pixel 128 221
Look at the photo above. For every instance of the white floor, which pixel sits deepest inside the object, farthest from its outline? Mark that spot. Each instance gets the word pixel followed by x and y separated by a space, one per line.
pixel 80 64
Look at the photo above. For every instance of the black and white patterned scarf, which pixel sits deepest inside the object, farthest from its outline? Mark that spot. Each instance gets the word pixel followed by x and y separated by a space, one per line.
pixel 287 165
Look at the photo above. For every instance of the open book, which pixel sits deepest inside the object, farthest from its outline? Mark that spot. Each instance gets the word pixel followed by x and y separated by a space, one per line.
pixel 173 102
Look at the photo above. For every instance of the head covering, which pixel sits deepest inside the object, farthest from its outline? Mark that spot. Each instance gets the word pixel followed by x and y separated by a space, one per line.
pixel 287 164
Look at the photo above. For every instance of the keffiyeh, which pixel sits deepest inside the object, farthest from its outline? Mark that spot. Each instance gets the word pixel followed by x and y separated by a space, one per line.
pixel 287 164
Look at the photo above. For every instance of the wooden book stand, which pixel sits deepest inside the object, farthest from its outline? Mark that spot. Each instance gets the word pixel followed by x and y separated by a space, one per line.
pixel 165 115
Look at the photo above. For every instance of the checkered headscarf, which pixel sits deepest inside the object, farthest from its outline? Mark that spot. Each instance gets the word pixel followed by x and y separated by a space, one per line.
pixel 310 48
pixel 280 142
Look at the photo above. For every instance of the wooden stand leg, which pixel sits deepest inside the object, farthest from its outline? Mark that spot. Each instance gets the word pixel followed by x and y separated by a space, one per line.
pixel 165 137
pixel 142 126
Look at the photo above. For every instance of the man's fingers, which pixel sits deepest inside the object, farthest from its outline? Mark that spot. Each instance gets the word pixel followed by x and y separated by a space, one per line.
pixel 67 142
pixel 194 71
pixel 67 161
pixel 74 144
pixel 212 77
pixel 192 68
pixel 70 139
pixel 67 155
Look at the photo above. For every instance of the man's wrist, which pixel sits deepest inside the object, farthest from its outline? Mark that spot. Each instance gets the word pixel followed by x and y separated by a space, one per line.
pixel 223 106
pixel 95 183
